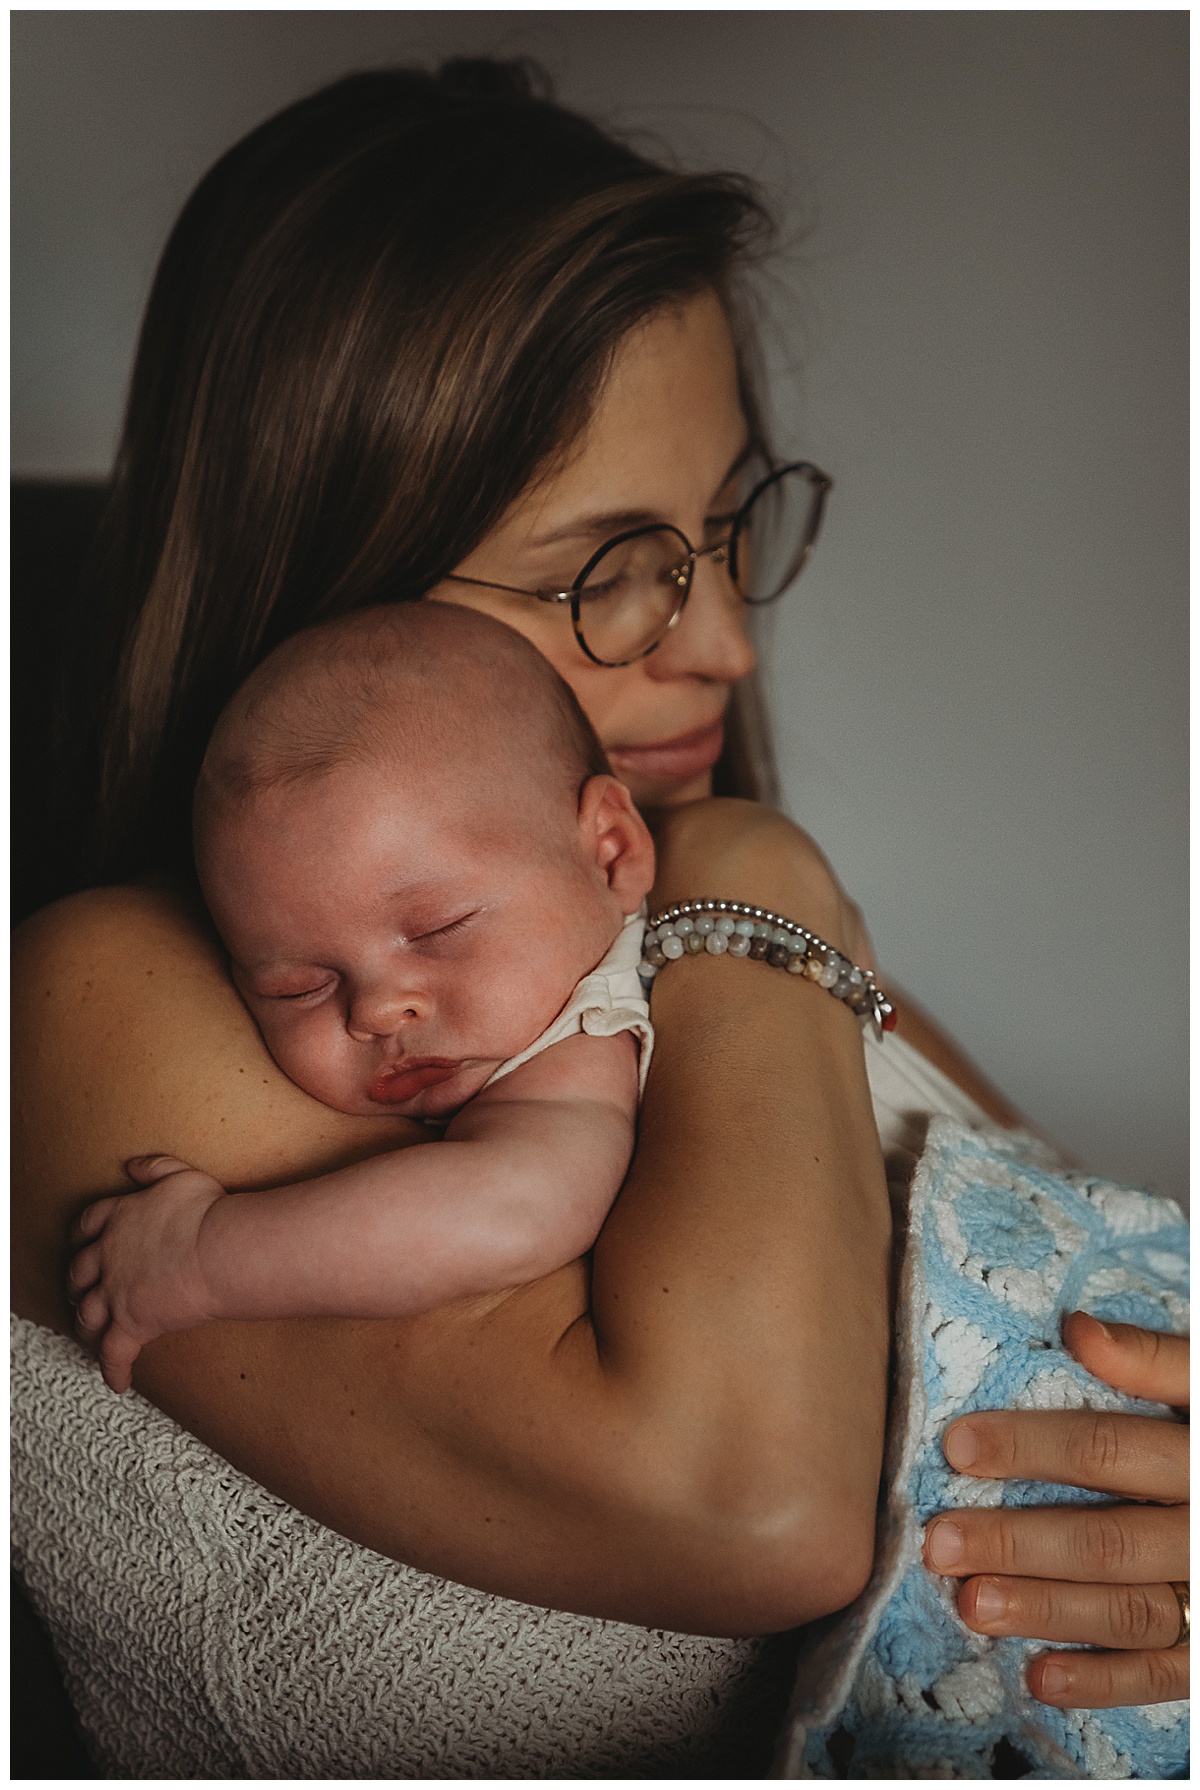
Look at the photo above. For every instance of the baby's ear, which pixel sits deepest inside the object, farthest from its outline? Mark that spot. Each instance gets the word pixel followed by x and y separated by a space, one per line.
pixel 616 839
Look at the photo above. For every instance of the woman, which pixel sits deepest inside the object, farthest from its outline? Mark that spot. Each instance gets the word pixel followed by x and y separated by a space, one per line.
pixel 435 337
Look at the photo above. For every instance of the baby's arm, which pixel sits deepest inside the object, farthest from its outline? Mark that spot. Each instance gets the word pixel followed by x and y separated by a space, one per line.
pixel 519 1185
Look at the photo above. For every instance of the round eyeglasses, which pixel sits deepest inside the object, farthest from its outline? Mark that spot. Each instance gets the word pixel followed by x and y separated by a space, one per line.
pixel 634 588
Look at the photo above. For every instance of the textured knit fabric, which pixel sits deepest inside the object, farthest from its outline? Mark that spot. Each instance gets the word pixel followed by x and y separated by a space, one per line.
pixel 608 1000
pixel 1002 1243
pixel 206 1629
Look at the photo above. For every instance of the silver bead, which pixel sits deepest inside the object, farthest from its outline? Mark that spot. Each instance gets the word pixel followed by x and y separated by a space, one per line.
pixel 717 942
pixel 726 924
pixel 739 944
pixel 671 947
pixel 705 924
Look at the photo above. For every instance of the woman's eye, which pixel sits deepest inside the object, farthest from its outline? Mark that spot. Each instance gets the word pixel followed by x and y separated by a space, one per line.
pixel 607 587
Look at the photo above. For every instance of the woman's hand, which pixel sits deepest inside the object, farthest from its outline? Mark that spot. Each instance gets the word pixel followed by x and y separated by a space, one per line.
pixel 1097 1575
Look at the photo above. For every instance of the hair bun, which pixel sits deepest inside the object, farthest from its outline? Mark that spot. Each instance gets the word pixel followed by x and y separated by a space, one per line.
pixel 488 78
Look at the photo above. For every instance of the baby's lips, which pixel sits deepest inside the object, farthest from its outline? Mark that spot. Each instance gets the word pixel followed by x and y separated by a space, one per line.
pixel 392 1087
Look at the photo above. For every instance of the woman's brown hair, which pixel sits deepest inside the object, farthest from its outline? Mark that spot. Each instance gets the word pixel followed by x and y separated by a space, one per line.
pixel 378 317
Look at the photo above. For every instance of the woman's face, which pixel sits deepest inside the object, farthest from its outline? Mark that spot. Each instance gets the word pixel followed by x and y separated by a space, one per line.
pixel 662 445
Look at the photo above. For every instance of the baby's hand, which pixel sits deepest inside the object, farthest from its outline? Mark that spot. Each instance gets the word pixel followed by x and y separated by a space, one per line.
pixel 139 1271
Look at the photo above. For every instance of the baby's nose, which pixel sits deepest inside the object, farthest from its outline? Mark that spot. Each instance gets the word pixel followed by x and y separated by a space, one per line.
pixel 379 1012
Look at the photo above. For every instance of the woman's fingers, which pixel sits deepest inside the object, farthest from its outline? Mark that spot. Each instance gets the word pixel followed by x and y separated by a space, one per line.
pixel 1145 1363
pixel 1106 1451
pixel 148 1169
pixel 1109 1680
pixel 1103 1544
pixel 1127 1616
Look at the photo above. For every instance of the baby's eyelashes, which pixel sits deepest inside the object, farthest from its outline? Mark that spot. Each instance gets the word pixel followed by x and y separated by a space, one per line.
pixel 288 991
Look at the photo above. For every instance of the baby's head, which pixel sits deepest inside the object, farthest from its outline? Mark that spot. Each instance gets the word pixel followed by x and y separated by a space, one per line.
pixel 410 842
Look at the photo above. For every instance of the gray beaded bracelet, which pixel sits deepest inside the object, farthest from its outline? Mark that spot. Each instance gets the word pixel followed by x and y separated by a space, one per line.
pixel 744 931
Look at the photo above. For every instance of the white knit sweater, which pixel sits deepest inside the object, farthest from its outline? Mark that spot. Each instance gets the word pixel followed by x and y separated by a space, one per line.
pixel 206 1629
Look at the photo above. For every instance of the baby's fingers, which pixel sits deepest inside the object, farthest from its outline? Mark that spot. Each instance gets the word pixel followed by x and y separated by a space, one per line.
pixel 148 1169
pixel 84 1271
pixel 118 1352
pixel 92 1219
pixel 92 1314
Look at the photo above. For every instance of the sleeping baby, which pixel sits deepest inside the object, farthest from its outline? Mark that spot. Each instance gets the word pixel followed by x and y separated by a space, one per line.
pixel 430 889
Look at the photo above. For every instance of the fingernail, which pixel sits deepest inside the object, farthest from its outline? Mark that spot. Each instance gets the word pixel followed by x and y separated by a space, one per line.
pixel 1087 1317
pixel 960 1445
pixel 1055 1679
pixel 944 1544
pixel 990 1601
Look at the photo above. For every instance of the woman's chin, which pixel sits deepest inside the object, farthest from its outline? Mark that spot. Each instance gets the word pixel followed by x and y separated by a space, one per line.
pixel 656 792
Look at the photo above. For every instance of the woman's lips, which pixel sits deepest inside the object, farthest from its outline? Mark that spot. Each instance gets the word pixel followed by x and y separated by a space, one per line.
pixel 391 1087
pixel 676 760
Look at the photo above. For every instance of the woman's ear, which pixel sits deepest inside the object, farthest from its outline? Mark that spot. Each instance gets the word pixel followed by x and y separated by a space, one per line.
pixel 616 839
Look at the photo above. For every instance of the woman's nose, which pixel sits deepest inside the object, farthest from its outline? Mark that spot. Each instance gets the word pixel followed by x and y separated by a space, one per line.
pixel 710 639
pixel 381 1009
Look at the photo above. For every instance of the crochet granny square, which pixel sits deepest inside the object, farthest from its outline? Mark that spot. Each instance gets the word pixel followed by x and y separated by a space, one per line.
pixel 1002 1244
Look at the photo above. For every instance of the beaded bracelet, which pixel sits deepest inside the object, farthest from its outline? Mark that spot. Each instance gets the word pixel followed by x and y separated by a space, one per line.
pixel 744 931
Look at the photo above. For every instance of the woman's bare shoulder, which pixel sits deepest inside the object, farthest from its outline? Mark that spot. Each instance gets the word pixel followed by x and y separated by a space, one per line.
pixel 128 1036
pixel 103 928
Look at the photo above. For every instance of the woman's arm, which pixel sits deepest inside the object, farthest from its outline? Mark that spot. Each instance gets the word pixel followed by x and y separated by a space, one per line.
pixel 687 1437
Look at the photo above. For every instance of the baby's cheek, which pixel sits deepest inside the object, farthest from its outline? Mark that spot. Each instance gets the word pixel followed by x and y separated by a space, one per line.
pixel 313 1054
pixel 514 1006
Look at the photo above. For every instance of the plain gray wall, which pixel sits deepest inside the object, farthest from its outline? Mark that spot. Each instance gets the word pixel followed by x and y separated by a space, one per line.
pixel 979 686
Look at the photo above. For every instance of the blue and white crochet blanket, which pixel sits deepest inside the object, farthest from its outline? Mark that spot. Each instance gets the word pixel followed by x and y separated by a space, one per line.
pixel 1002 1244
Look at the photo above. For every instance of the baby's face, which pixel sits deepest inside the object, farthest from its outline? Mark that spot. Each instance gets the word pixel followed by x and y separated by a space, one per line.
pixel 395 947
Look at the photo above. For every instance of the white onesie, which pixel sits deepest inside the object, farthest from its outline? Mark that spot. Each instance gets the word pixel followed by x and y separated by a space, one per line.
pixel 609 999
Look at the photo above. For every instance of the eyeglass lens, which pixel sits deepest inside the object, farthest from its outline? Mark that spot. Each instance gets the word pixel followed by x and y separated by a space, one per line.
pixel 629 597
pixel 776 535
pixel 632 594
